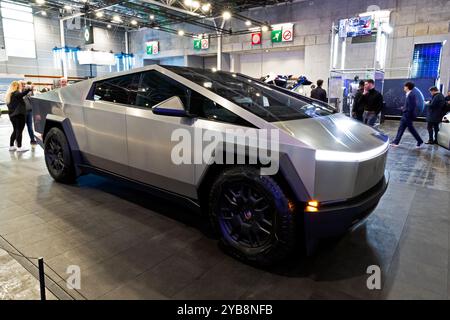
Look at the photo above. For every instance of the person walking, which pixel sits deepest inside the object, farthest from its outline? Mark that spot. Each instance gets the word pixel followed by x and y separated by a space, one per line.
pixel 318 93
pixel 372 101
pixel 358 108
pixel 29 118
pixel 17 113
pixel 435 112
pixel 408 116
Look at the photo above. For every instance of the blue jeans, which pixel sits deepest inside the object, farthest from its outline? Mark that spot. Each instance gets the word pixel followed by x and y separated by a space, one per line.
pixel 407 123
pixel 29 122
pixel 370 117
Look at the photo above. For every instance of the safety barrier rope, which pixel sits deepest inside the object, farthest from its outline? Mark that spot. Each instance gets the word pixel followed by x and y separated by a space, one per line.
pixel 30 259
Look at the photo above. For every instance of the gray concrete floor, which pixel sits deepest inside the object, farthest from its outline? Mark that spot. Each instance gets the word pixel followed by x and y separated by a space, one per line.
pixel 132 246
pixel 16 283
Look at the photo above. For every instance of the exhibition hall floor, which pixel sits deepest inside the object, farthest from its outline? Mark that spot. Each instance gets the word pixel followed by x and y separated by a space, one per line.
pixel 130 245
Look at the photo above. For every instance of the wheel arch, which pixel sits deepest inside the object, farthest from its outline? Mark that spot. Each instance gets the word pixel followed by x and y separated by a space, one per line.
pixel 214 170
pixel 65 126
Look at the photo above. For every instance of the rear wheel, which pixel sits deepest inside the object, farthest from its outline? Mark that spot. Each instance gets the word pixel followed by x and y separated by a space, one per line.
pixel 252 215
pixel 58 156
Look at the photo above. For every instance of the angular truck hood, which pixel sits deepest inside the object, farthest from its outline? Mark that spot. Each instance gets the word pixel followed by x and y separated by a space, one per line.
pixel 336 132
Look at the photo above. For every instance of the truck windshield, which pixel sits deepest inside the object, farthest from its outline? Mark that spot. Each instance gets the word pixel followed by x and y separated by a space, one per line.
pixel 267 102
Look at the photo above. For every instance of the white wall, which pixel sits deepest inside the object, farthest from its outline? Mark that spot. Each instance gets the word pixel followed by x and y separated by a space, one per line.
pixel 47 35
pixel 173 61
pixel 279 62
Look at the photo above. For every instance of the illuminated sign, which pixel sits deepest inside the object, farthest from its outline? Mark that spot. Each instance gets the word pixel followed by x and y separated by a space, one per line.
pixel 205 44
pixel 282 32
pixel 201 44
pixel 152 47
pixel 355 27
pixel 256 38
pixel 88 35
pixel 96 57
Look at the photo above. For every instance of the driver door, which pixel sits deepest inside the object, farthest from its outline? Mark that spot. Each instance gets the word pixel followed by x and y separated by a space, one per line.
pixel 149 136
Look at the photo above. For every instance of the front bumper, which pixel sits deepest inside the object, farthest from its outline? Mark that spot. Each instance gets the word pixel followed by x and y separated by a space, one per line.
pixel 336 218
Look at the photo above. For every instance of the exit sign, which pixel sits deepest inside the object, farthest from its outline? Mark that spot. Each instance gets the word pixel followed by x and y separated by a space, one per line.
pixel 152 47
pixel 283 32
pixel 201 44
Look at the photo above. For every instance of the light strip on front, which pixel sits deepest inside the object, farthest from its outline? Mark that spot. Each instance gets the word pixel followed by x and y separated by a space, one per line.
pixel 326 155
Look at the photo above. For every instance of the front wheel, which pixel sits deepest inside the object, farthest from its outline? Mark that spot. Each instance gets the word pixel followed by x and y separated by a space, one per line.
pixel 58 156
pixel 252 215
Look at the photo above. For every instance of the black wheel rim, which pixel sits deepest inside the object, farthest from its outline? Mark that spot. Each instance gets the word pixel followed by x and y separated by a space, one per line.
pixel 54 155
pixel 245 216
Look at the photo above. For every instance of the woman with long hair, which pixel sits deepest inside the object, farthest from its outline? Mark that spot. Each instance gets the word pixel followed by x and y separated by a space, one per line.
pixel 17 113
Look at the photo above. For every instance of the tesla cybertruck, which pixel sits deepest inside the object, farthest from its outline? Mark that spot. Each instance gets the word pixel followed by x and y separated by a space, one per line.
pixel 321 174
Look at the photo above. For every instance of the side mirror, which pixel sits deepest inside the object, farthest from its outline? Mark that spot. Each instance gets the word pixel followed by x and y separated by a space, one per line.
pixel 172 107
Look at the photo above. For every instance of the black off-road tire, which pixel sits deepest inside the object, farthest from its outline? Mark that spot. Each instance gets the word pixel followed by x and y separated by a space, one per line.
pixel 282 239
pixel 58 157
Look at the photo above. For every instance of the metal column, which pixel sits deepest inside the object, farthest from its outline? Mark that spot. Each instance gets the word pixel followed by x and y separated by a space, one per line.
pixel 63 45
pixel 219 52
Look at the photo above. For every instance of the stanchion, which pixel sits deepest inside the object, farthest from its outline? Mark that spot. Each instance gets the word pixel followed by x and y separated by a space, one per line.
pixel 42 278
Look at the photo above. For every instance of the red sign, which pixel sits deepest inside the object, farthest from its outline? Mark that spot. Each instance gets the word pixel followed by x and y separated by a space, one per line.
pixel 287 35
pixel 256 38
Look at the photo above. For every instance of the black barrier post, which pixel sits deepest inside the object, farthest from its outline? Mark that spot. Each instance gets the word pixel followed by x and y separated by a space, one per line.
pixel 42 278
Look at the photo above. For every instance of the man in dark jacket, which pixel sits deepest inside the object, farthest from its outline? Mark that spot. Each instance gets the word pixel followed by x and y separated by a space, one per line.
pixel 358 108
pixel 435 112
pixel 319 93
pixel 372 101
pixel 408 116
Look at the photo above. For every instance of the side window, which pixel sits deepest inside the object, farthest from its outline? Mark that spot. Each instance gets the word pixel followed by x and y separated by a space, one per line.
pixel 156 87
pixel 208 109
pixel 119 90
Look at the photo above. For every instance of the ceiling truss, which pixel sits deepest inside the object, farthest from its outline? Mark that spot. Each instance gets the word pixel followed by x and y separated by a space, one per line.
pixel 165 15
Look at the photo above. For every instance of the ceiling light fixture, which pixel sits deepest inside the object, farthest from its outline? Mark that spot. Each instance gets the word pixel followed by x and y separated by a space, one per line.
pixel 44 13
pixel 265 28
pixel 248 23
pixel 195 4
pixel 134 22
pixel 99 14
pixel 40 1
pixel 152 17
pixel 181 33
pixel 226 15
pixel 117 19
pixel 206 7
pixel 108 26
pixel 67 7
